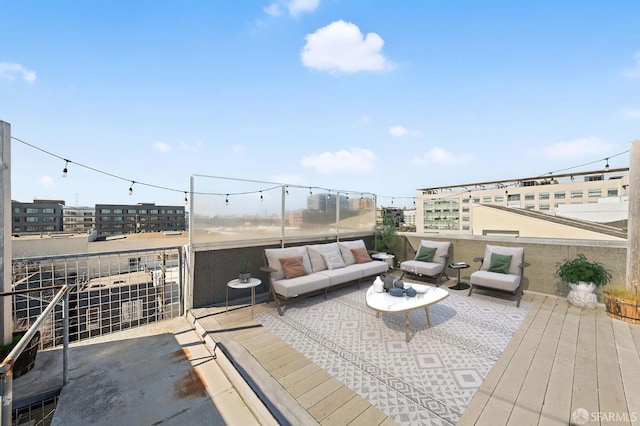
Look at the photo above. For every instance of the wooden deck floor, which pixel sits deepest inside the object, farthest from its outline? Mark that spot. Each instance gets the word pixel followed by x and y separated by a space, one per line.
pixel 561 359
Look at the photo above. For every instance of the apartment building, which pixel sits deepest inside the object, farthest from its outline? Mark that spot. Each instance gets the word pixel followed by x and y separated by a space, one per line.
pixel 117 219
pixel 449 209
pixel 38 217
pixel 78 219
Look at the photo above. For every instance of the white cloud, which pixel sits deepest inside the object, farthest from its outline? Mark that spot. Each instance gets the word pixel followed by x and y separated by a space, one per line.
pixel 441 156
pixel 341 47
pixel 631 112
pixel 634 73
pixel 272 10
pixel 355 160
pixel 46 181
pixel 9 71
pixel 402 131
pixel 162 146
pixel 575 148
pixel 238 149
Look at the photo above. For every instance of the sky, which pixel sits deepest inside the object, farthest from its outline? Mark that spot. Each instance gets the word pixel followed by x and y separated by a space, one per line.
pixel 372 96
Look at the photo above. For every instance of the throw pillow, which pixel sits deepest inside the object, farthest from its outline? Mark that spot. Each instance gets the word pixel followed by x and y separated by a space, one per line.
pixel 500 263
pixel 333 260
pixel 361 255
pixel 425 254
pixel 293 267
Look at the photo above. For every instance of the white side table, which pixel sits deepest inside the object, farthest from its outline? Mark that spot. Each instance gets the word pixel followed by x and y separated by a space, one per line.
pixel 386 257
pixel 252 284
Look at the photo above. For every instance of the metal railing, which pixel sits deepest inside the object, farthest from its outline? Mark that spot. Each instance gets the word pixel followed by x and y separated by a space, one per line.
pixel 6 368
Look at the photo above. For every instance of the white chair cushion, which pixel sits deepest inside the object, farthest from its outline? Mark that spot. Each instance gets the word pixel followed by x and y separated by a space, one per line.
pixel 516 253
pixel 301 285
pixel 507 282
pixel 422 268
pixel 442 249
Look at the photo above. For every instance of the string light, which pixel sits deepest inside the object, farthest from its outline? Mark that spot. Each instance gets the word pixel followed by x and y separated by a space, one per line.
pixel 261 197
pixel 131 187
pixel 286 190
pixel 64 171
pixel 186 200
pixel 606 166
pixel 310 193
pixel 226 200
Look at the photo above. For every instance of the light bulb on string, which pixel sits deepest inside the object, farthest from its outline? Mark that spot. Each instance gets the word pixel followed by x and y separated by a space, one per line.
pixel 64 171
pixel 131 187
pixel 226 200
pixel 186 200
pixel 261 197
pixel 606 166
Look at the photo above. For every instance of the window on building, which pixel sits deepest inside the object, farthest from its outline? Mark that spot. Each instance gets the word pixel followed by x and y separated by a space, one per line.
pixel 32 219
pixel 464 201
pixel 465 227
pixel 180 211
pixel 16 210
pixel 153 211
pixel 576 194
pixel 48 210
pixel 118 219
pixel 132 211
pixel 486 199
pixel 170 211
pixel 529 206
pixel 93 319
pixel 560 195
pixel 48 219
pixel 105 211
pixel 529 197
pixel 499 198
pixel 595 193
pixel 117 211
pixel 612 192
pixel 465 210
pixel 131 311
pixel 543 196
pixel 48 228
pixel 465 218
pixel 544 207
pixel 142 211
pixel 32 210
pixel 476 199
pixel 31 228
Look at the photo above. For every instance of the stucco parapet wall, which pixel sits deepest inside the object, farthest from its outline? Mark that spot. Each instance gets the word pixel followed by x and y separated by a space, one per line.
pixel 518 240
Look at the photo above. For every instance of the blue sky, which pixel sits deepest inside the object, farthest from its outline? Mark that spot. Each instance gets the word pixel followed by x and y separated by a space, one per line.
pixel 372 96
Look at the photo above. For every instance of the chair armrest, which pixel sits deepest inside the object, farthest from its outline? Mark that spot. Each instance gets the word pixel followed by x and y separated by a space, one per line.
pixel 524 265
pixel 267 269
pixel 478 259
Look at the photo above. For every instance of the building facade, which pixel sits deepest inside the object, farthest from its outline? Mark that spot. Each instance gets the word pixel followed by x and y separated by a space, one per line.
pixel 118 219
pixel 450 209
pixel 78 219
pixel 39 217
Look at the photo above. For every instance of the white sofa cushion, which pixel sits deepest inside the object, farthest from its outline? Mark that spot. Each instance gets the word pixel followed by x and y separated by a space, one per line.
pixel 373 268
pixel 301 285
pixel 274 256
pixel 343 275
pixel 346 247
pixel 315 255
pixel 516 253
pixel 508 282
pixel 442 249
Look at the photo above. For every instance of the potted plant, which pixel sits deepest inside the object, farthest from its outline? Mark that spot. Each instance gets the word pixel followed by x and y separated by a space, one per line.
pixel 384 238
pixel 623 302
pixel 27 358
pixel 583 277
pixel 244 271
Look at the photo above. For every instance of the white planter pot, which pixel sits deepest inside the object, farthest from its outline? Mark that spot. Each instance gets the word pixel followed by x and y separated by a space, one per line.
pixel 582 295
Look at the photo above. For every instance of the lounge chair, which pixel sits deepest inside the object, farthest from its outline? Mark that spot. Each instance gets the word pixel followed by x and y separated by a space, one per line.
pixel 501 269
pixel 430 261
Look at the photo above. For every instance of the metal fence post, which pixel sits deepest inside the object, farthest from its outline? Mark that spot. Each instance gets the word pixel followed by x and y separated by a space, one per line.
pixel 65 339
pixel 6 397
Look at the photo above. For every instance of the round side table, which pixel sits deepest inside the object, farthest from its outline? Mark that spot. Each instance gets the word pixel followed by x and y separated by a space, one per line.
pixel 459 285
pixel 252 284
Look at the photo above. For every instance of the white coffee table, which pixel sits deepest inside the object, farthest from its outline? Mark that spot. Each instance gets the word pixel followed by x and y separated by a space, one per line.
pixel 386 303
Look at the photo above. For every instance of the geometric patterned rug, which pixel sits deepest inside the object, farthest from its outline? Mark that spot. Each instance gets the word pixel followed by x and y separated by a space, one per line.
pixel 428 381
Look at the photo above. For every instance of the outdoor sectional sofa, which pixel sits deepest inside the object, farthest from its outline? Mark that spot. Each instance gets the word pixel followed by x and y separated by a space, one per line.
pixel 295 272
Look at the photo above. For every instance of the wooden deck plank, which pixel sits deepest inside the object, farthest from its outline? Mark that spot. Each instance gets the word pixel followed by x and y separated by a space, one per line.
pixel 294 365
pixel 317 394
pixel 370 417
pixel 556 407
pixel 629 359
pixel 347 412
pixel 308 383
pixel 483 394
pixel 528 405
pixel 611 393
pixel 331 403
pixel 585 380
pixel 287 357
pixel 301 373
pixel 263 345
pixel 500 405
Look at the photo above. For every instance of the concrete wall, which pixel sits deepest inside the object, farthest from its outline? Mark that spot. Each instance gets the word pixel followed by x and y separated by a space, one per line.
pixel 542 254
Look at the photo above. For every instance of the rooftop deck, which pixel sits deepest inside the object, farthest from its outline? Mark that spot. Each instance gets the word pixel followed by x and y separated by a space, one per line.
pixel 561 359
